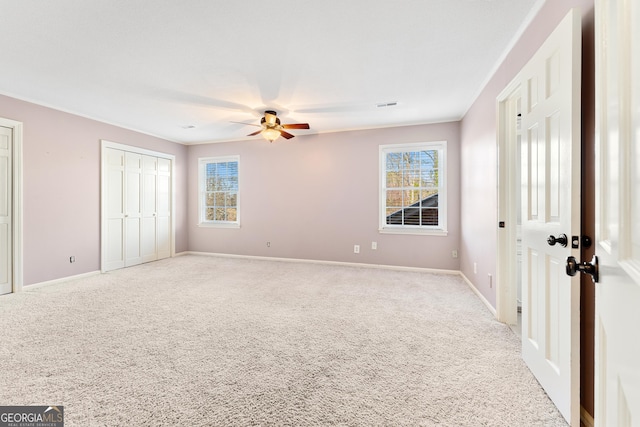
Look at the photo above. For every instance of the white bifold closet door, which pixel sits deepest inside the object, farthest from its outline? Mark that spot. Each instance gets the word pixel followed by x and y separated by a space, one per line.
pixel 163 209
pixel 133 198
pixel 149 215
pixel 138 208
pixel 156 209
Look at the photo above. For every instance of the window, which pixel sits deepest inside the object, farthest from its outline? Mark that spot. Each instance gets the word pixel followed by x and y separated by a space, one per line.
pixel 219 191
pixel 412 183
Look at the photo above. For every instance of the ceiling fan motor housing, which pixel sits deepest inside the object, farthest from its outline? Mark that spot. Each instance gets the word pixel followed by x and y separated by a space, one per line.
pixel 263 121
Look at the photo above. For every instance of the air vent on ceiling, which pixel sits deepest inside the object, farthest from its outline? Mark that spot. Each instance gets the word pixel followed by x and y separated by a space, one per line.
pixel 387 104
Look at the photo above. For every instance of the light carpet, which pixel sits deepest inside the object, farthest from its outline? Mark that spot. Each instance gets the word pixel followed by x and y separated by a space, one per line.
pixel 211 341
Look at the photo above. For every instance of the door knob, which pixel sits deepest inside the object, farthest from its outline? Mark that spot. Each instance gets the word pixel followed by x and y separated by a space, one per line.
pixel 591 268
pixel 562 239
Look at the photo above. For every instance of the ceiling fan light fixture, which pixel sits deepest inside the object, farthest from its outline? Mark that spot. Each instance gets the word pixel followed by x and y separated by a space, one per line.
pixel 272 129
pixel 271 134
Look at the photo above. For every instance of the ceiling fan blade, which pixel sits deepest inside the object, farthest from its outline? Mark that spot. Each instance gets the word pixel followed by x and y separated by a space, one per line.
pixel 270 117
pixel 255 133
pixel 286 135
pixel 296 126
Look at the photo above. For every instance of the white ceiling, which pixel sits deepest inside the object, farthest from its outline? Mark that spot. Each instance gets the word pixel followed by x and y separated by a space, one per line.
pixel 160 66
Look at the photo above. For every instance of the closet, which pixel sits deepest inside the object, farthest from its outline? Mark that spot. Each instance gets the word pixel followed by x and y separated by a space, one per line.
pixel 137 208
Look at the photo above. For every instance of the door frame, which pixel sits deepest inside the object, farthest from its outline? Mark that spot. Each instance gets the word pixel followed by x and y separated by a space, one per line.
pixel 16 202
pixel 616 397
pixel 508 204
pixel 103 196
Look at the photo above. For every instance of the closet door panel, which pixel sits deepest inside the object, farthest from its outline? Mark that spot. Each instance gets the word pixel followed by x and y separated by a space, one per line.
pixel 164 208
pixel 133 208
pixel 114 230
pixel 149 209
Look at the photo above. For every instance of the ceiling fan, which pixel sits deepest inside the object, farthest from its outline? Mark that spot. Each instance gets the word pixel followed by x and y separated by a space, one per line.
pixel 272 129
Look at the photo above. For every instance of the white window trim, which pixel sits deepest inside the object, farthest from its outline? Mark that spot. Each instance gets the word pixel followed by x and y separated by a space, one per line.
pixel 441 229
pixel 202 161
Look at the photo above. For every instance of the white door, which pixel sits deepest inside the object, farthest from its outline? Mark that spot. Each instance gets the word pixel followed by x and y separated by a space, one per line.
pixel 113 199
pixel 550 88
pixel 148 244
pixel 617 352
pixel 6 246
pixel 164 208
pixel 132 208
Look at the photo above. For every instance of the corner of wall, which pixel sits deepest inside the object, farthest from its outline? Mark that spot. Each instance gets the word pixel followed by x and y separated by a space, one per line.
pixel 479 294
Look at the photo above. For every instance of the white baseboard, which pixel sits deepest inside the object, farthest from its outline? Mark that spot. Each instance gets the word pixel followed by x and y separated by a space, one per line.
pixel 353 264
pixel 312 261
pixel 297 260
pixel 477 292
pixel 57 281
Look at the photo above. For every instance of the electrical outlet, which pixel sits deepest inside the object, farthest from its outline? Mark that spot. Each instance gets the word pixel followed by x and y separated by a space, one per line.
pixel 72 259
pixel 475 268
pixel 454 254
pixel 268 244
pixel 374 245
pixel 356 249
pixel 490 281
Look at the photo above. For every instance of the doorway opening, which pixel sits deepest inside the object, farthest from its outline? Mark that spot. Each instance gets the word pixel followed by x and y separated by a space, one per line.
pixel 509 268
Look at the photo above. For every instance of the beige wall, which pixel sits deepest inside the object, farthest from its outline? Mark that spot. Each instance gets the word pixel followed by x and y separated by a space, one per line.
pixel 479 197
pixel 316 196
pixel 478 165
pixel 313 197
pixel 62 187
